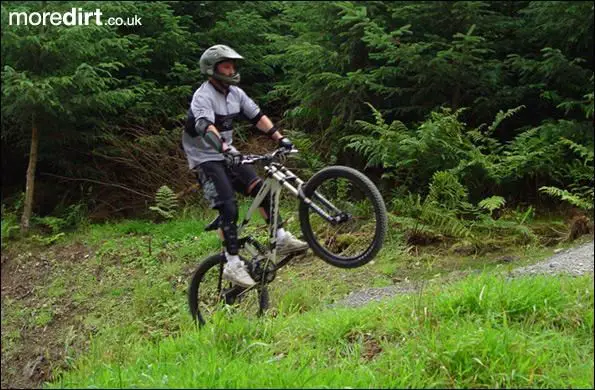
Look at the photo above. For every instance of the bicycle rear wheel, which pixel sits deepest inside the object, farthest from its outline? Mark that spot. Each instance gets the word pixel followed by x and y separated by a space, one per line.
pixel 358 224
pixel 208 293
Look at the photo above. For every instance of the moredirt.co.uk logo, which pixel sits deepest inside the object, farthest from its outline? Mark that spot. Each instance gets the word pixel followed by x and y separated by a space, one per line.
pixel 74 17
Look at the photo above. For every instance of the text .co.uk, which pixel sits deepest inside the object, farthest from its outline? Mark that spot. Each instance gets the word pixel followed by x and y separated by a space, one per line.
pixel 74 17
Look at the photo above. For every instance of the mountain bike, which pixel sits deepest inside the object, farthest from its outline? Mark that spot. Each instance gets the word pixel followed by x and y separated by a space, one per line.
pixel 342 218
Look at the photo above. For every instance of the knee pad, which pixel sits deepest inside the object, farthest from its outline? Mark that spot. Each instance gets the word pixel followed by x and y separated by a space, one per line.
pixel 229 216
pixel 229 212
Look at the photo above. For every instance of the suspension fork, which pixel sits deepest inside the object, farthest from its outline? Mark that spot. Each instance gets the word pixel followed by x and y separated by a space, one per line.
pixel 316 195
pixel 283 176
pixel 274 195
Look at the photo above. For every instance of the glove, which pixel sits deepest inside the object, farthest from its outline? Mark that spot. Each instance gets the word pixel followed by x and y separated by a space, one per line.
pixel 285 143
pixel 233 158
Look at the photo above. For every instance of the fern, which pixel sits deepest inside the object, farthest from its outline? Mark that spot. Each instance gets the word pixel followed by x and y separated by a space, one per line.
pixel 380 143
pixel 9 225
pixel 55 224
pixel 446 191
pixel 580 192
pixel 573 199
pixel 492 203
pixel 166 202
pixel 445 222
pixel 50 240
pixel 501 115
pixel 585 153
pixel 491 226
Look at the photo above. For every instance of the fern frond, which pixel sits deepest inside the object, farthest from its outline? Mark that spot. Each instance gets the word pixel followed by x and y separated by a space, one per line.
pixel 571 198
pixel 166 202
pixel 492 203
pixel 446 223
pixel 524 233
pixel 446 190
pixel 501 115
pixel 585 153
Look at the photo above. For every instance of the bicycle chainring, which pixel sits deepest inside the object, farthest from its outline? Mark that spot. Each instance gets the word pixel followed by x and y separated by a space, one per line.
pixel 257 271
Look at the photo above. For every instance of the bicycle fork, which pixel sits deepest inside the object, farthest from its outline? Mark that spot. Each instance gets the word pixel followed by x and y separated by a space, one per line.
pixel 284 177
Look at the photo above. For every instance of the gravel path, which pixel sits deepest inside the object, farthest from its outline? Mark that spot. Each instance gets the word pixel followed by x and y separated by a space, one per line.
pixel 574 261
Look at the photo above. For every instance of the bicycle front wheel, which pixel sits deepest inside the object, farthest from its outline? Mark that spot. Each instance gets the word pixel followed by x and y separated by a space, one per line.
pixel 345 220
pixel 208 292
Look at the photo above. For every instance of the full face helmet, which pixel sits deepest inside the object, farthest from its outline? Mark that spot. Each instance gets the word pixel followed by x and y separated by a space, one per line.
pixel 213 56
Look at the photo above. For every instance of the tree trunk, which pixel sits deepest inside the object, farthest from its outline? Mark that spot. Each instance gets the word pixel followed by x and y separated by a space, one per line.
pixel 25 219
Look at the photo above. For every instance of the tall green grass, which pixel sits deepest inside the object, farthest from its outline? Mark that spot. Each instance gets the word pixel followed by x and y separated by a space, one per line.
pixel 482 332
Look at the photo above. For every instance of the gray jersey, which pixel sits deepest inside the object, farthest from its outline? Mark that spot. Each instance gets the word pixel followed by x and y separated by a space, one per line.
pixel 221 110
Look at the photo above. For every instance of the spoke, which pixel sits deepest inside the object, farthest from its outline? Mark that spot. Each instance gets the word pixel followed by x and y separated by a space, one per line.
pixel 353 236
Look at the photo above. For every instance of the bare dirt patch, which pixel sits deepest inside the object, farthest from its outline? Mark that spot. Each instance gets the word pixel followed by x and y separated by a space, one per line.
pixel 39 333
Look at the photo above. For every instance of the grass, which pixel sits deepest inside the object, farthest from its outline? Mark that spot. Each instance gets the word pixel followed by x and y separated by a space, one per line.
pixel 481 332
pixel 123 285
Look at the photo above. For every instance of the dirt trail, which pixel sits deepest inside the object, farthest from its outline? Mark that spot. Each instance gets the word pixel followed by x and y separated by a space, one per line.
pixel 575 261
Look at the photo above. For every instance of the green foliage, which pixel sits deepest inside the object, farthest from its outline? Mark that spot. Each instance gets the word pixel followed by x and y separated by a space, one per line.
pixel 380 143
pixel 310 160
pixel 10 225
pixel 166 202
pixel 492 332
pixel 413 157
pixel 437 215
pixel 575 200
pixel 492 203
pixel 475 157
pixel 446 213
pixel 446 191
pixel 48 240
pixel 584 153
pixel 434 74
pixel 55 224
pixel 10 218
pixel 568 26
pixel 581 189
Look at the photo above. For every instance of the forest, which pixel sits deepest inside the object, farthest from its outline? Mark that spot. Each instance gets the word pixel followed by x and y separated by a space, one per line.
pixel 480 106
pixel 473 119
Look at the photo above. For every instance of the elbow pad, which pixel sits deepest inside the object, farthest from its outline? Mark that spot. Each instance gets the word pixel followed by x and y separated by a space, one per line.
pixel 213 140
pixel 255 120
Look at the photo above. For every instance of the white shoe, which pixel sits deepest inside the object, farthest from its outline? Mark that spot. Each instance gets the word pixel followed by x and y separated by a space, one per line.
pixel 236 273
pixel 290 244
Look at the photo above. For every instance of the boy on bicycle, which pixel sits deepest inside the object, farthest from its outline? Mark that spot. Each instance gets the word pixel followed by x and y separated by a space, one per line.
pixel 207 142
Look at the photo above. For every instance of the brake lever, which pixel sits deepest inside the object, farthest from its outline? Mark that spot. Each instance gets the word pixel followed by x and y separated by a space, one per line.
pixel 284 151
pixel 279 153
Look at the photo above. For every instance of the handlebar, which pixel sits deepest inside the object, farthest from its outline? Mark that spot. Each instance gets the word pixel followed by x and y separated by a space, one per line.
pixel 267 158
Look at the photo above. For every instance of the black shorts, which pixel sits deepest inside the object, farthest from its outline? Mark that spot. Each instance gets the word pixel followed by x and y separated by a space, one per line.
pixel 220 183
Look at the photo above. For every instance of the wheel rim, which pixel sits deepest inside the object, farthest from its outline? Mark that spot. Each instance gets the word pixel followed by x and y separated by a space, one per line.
pixel 229 299
pixel 354 238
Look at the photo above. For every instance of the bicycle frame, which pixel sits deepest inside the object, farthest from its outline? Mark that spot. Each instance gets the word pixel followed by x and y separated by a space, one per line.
pixel 277 178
